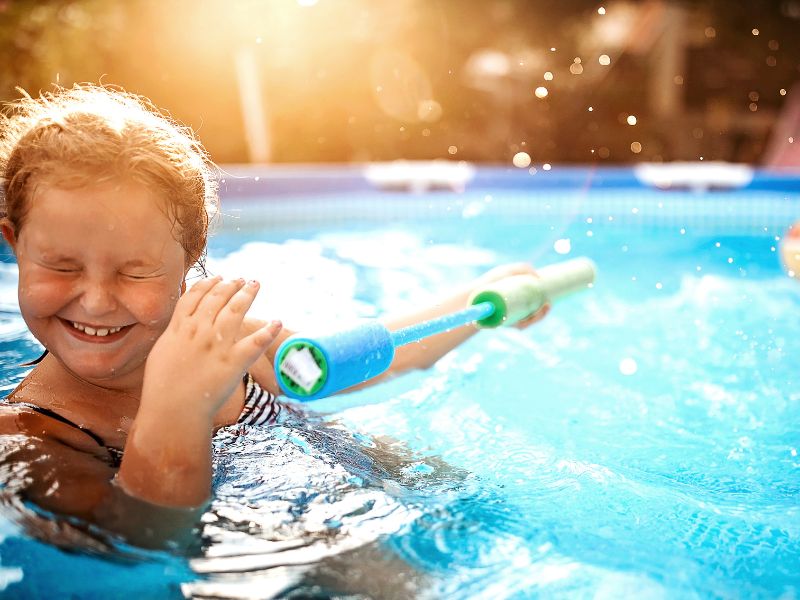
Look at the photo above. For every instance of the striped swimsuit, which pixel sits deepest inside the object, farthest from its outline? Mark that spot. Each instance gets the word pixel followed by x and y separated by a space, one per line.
pixel 260 406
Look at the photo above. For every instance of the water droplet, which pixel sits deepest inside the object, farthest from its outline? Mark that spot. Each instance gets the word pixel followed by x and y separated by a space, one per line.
pixel 628 366
pixel 562 246
pixel 604 60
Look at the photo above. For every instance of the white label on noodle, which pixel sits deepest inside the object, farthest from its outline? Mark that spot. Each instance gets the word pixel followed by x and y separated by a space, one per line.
pixel 300 367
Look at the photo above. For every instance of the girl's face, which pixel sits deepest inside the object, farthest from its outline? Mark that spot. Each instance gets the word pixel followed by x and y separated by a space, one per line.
pixel 100 272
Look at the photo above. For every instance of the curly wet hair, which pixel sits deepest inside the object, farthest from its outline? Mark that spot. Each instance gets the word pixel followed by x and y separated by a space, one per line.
pixel 90 134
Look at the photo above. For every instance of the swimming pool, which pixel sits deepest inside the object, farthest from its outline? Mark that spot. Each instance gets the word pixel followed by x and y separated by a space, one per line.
pixel 642 440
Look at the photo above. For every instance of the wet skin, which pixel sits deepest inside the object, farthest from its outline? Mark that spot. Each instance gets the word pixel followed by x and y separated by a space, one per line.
pixel 95 260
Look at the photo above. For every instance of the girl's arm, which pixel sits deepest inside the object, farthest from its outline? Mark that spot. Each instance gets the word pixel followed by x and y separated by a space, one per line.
pixel 425 353
pixel 62 470
pixel 419 355
pixel 192 371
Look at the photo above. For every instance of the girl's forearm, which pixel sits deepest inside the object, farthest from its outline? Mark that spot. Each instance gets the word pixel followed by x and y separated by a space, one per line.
pixel 423 354
pixel 168 459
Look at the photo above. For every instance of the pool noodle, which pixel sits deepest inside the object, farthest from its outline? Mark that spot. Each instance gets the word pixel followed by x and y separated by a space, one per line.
pixel 310 367
pixel 419 331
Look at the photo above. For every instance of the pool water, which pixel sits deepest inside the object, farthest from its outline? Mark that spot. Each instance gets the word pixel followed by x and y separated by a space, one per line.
pixel 641 441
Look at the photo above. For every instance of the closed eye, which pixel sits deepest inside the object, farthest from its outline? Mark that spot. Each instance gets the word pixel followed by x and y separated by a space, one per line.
pixel 139 277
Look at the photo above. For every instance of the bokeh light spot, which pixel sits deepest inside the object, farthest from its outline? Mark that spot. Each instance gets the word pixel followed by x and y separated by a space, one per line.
pixel 521 160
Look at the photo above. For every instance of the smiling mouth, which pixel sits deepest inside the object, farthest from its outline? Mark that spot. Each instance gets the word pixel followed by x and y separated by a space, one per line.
pixel 97 333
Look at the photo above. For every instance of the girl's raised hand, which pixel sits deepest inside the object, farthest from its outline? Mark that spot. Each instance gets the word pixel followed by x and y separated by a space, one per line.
pixel 199 360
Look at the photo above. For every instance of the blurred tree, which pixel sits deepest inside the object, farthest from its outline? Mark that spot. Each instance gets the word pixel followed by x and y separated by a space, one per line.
pixel 361 80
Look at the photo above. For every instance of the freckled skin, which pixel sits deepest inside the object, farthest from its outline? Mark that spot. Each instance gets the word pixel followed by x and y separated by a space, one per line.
pixel 99 270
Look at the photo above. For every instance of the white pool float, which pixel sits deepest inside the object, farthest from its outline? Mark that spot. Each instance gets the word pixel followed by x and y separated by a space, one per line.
pixel 420 176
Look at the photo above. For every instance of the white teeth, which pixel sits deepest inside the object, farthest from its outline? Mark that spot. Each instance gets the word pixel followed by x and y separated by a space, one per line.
pixel 100 332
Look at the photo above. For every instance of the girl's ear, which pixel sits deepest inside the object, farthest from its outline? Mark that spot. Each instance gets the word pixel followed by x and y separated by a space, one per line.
pixel 8 233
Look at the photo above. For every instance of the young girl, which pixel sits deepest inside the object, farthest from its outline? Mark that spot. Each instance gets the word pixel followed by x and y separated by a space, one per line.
pixel 106 205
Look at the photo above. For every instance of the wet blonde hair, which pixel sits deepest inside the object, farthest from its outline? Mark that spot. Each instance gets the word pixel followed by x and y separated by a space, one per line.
pixel 90 134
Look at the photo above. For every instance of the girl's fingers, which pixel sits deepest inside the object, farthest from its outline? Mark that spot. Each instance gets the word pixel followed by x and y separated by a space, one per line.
pixel 215 299
pixel 534 318
pixel 189 301
pixel 230 317
pixel 250 347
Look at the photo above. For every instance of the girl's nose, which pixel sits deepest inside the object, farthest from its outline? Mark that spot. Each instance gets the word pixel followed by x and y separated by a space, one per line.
pixel 97 298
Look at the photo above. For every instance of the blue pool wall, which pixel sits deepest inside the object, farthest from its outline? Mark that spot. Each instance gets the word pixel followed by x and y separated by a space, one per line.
pixel 260 181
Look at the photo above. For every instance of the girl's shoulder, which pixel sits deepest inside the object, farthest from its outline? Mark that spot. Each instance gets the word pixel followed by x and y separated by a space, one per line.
pixel 9 418
pixel 31 426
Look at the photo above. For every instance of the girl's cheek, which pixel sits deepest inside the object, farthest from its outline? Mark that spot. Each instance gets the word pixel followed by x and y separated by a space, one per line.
pixel 155 305
pixel 42 296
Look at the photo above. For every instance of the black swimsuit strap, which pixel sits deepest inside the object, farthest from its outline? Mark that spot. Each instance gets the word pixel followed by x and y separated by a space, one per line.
pixel 115 454
pixel 35 361
pixel 54 415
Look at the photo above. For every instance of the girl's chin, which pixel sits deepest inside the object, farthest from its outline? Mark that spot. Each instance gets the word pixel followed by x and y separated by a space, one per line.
pixel 99 372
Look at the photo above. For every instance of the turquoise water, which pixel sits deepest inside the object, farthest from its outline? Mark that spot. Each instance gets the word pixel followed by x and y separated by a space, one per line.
pixel 641 441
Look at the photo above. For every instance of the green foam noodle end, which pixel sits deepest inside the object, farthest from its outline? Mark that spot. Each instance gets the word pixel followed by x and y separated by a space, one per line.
pixel 500 309
pixel 318 357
